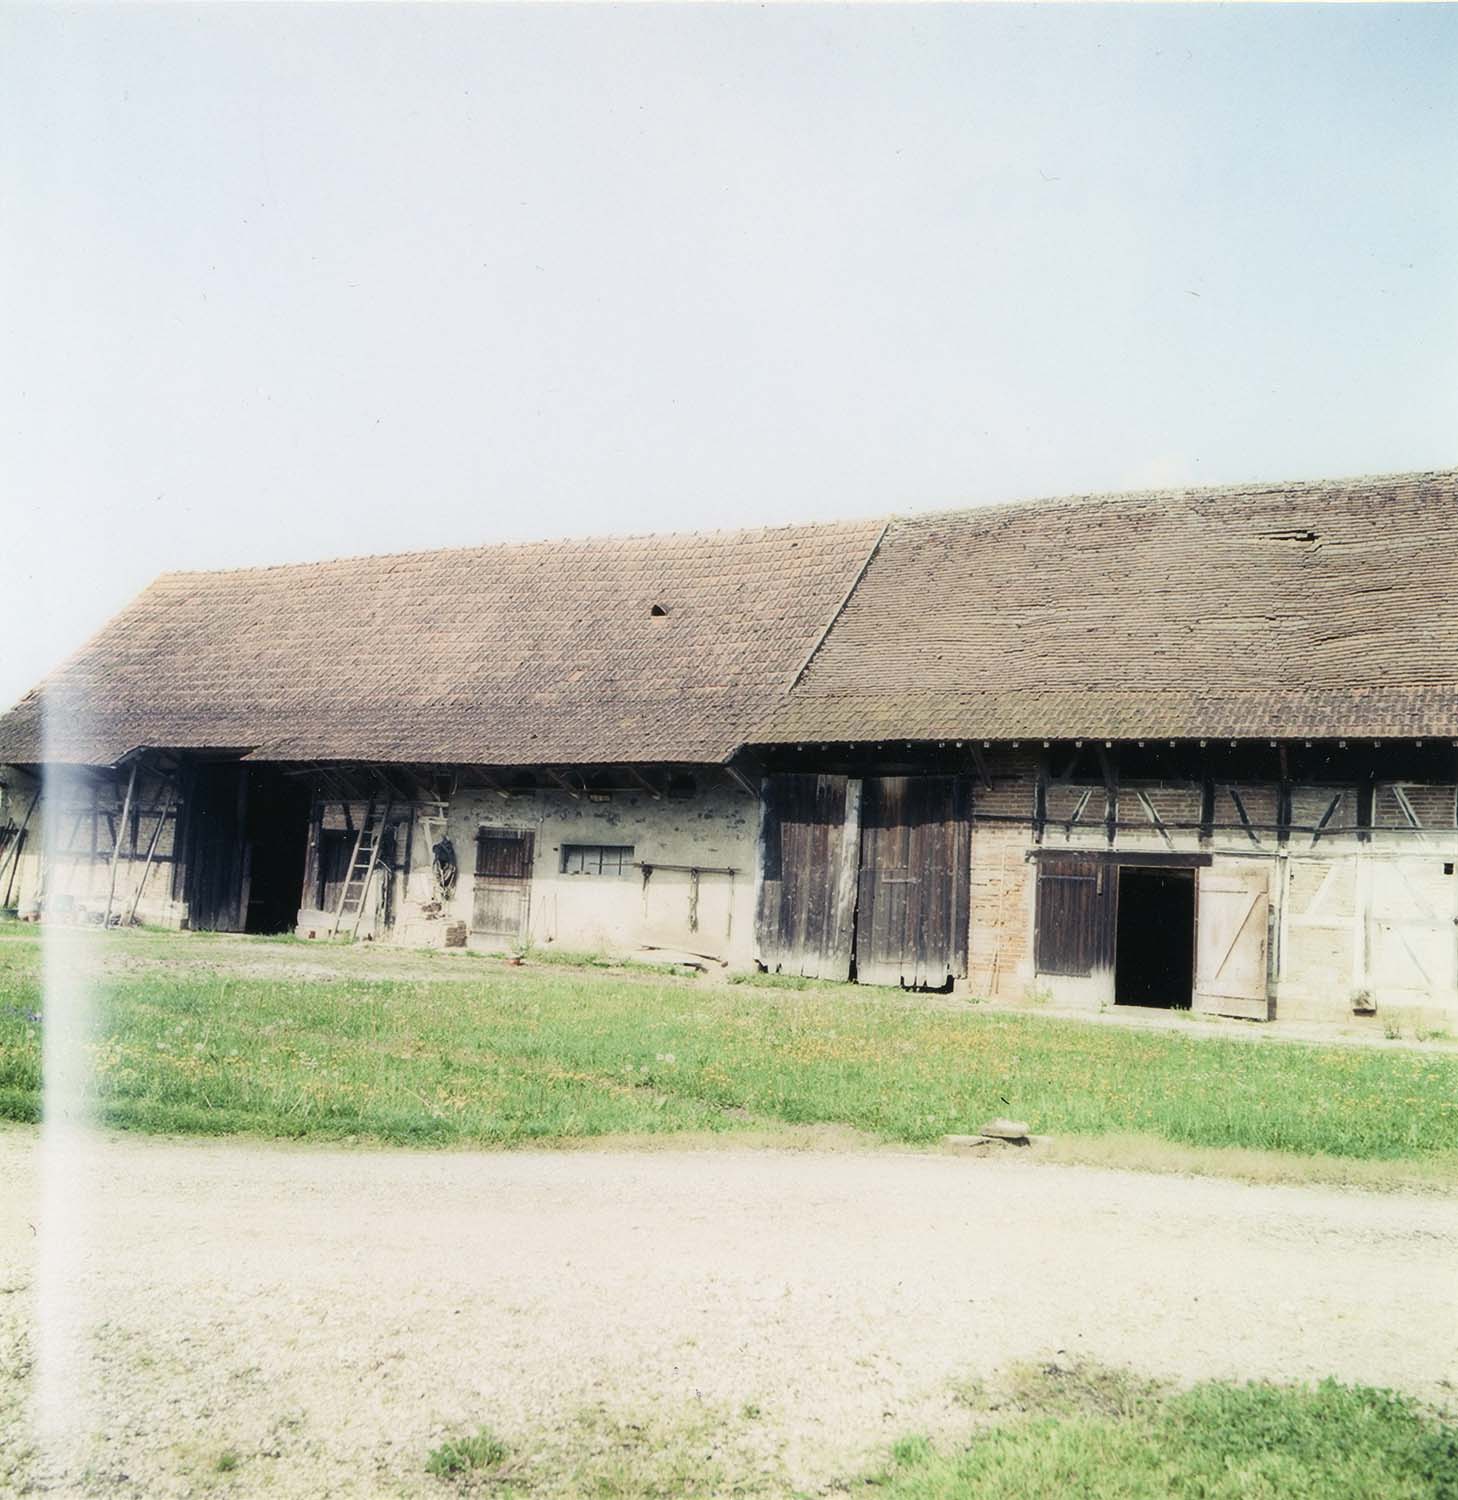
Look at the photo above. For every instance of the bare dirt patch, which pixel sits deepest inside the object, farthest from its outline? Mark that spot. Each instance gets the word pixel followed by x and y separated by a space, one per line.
pixel 317 1321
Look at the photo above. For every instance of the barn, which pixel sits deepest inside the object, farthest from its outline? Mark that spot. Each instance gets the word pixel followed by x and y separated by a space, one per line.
pixel 1180 749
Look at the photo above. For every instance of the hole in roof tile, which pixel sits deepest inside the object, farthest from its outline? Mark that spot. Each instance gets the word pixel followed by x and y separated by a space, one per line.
pixel 658 611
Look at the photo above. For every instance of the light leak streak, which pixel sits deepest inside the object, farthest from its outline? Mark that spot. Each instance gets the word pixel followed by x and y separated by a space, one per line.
pixel 67 1146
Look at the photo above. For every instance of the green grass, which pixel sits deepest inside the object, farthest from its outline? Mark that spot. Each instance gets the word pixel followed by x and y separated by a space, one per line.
pixel 456 1456
pixel 1041 1433
pixel 206 1037
pixel 1103 1436
pixel 696 1452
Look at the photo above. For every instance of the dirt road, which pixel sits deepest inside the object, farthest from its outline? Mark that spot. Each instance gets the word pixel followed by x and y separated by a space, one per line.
pixel 328 1315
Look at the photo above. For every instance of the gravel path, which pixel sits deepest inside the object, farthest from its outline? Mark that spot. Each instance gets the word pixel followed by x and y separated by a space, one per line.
pixel 330 1314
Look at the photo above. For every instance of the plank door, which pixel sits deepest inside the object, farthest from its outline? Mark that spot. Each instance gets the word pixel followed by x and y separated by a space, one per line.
pixel 1231 941
pixel 809 841
pixel 913 907
pixel 1412 939
pixel 1075 914
pixel 501 900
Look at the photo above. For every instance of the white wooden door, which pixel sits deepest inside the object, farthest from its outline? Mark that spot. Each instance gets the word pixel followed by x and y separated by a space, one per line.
pixel 1413 943
pixel 1230 956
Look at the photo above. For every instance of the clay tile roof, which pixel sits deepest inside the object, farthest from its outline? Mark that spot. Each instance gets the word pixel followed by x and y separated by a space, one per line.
pixel 1290 610
pixel 543 652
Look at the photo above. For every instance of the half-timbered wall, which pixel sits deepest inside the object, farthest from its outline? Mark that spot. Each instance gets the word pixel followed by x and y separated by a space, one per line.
pixel 1318 900
pixel 85 845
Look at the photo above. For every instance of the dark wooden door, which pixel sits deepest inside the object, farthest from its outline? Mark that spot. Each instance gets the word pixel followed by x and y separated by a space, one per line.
pixel 214 869
pixel 809 839
pixel 501 901
pixel 1076 915
pixel 915 880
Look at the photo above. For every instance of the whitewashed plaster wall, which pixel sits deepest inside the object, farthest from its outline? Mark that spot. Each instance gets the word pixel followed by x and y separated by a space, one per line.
pixel 715 829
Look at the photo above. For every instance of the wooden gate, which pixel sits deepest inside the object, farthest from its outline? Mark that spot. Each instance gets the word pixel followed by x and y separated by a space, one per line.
pixel 501 900
pixel 912 912
pixel 1231 942
pixel 1412 939
pixel 809 840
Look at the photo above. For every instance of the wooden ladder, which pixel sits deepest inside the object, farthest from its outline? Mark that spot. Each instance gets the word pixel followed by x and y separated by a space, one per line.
pixel 362 866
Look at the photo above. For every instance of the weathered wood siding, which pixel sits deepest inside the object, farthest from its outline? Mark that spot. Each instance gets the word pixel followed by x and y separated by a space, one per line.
pixel 1231 968
pixel 809 846
pixel 1077 914
pixel 912 911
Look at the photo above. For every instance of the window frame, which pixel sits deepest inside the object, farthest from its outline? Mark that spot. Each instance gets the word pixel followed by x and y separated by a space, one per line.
pixel 598 861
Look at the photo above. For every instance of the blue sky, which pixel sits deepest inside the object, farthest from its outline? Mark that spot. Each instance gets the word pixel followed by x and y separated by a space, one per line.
pixel 295 281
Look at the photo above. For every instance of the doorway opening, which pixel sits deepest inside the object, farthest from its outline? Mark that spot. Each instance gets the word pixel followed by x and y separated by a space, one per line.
pixel 276 824
pixel 1154 952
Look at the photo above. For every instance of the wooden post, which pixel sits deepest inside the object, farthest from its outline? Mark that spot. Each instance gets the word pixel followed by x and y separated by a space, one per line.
pixel 1111 795
pixel 1040 799
pixel 121 829
pixel 761 846
pixel 245 852
pixel 1283 800
pixel 162 810
pixel 979 764
pixel 1364 812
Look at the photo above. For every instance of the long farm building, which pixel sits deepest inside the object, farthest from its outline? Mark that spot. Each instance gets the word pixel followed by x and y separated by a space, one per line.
pixel 1185 749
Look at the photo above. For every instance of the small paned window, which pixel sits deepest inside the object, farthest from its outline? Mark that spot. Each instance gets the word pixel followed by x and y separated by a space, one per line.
pixel 597 859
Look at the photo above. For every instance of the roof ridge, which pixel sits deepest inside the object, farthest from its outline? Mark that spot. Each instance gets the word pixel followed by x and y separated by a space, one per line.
pixel 880 518
pixel 604 539
pixel 1181 492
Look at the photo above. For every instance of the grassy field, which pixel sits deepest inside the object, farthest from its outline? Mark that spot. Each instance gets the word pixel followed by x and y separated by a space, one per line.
pixel 206 1035
pixel 1042 1433
pixel 1102 1436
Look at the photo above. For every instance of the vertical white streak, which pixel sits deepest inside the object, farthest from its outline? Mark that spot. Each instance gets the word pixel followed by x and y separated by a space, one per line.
pixel 66 1146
